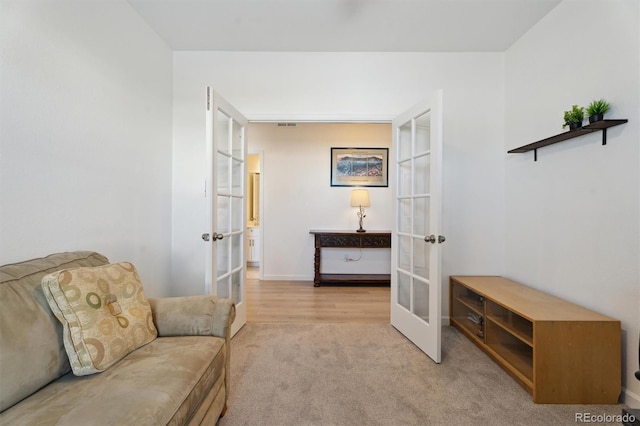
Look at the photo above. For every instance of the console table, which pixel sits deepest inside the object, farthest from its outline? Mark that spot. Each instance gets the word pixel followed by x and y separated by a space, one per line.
pixel 349 239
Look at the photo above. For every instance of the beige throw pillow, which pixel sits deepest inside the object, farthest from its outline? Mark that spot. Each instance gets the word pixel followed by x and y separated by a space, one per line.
pixel 104 313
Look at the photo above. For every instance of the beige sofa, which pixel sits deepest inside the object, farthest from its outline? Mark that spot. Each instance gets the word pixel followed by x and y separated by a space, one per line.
pixel 181 377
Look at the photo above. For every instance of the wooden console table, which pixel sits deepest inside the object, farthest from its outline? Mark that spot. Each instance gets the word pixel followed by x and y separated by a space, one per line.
pixel 349 239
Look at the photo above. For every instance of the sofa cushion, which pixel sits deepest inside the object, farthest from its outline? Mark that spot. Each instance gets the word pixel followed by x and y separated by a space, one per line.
pixel 104 314
pixel 161 383
pixel 31 350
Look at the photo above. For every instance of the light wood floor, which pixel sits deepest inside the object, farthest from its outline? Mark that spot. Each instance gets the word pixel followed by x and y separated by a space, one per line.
pixel 301 302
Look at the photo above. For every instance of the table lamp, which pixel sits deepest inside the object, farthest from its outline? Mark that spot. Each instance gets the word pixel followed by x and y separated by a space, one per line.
pixel 360 199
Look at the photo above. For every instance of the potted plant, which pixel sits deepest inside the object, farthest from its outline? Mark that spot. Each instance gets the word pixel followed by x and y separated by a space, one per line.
pixel 573 118
pixel 596 110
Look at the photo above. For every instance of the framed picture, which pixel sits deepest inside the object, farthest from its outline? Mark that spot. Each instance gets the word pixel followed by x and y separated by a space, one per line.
pixel 359 166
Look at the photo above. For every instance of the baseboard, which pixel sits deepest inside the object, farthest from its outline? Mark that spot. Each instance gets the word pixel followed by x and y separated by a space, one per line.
pixel 287 278
pixel 630 398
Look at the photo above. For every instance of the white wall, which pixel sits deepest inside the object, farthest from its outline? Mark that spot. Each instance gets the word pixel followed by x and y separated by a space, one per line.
pixel 572 217
pixel 85 133
pixel 349 86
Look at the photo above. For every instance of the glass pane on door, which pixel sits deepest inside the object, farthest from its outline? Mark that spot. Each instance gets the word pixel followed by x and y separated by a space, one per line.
pixel 236 251
pixel 404 142
pixel 421 299
pixel 237 221
pixel 422 171
pixel 236 287
pixel 223 133
pixel 404 178
pixel 404 290
pixel 237 140
pixel 223 287
pixel 236 176
pixel 223 213
pixel 404 253
pixel 421 257
pixel 222 173
pixel 421 216
pixel 222 257
pixel 404 216
pixel 423 133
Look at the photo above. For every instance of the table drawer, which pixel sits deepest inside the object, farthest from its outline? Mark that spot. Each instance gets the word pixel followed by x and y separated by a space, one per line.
pixel 376 240
pixel 339 240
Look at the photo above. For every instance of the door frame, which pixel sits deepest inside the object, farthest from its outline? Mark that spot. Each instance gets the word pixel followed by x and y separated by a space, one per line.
pixel 260 155
pixel 365 119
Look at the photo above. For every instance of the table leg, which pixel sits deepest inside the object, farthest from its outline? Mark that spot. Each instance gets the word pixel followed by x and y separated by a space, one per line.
pixel 316 266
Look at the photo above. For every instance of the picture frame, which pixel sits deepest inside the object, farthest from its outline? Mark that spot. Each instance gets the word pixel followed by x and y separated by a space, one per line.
pixel 360 167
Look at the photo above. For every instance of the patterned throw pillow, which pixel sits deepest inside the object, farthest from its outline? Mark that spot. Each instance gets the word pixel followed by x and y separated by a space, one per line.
pixel 104 313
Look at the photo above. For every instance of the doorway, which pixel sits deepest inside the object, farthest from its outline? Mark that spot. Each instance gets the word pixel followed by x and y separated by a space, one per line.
pixel 254 218
pixel 297 196
pixel 302 198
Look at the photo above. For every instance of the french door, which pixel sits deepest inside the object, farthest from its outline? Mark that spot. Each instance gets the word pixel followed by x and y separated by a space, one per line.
pixel 415 274
pixel 226 143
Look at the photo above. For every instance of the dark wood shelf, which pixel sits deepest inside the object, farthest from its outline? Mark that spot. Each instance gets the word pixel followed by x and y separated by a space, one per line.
pixel 598 126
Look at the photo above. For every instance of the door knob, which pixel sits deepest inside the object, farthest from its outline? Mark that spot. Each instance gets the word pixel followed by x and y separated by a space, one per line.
pixel 215 236
pixel 441 239
pixel 430 239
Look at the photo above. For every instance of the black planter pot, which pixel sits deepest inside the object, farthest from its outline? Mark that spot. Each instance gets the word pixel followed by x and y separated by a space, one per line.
pixel 595 117
pixel 574 126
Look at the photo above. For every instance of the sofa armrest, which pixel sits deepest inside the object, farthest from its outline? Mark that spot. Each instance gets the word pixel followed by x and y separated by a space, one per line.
pixel 193 316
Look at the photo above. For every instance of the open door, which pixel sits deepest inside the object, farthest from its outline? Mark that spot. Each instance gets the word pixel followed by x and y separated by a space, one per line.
pixel 416 245
pixel 225 190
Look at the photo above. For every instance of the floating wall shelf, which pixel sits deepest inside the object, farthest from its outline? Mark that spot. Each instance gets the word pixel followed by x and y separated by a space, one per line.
pixel 601 125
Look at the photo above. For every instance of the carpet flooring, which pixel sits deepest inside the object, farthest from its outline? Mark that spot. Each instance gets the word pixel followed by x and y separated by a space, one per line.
pixel 370 374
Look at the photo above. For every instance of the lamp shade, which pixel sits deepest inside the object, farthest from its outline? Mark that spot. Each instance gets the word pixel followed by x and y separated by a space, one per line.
pixel 360 198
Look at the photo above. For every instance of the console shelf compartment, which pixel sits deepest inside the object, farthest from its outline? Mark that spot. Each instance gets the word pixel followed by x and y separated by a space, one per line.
pixel 513 350
pixel 561 353
pixel 511 322
pixel 470 303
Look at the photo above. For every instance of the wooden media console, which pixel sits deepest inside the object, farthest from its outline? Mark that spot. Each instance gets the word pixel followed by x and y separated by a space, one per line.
pixel 561 353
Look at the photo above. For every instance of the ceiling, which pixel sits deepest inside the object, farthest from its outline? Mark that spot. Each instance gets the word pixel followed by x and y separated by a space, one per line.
pixel 342 25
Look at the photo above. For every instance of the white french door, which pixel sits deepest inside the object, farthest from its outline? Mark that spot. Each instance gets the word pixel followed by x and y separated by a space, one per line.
pixel 415 274
pixel 225 200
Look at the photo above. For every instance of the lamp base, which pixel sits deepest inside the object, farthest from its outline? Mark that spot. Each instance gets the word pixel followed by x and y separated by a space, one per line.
pixel 361 216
